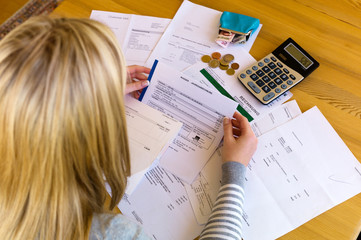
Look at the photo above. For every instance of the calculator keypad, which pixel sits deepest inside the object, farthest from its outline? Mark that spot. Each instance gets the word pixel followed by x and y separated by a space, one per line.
pixel 269 78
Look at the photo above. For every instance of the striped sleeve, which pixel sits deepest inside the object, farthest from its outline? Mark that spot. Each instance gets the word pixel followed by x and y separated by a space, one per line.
pixel 225 220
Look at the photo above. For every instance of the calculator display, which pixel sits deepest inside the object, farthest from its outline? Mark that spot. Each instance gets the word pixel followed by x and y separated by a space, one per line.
pixel 298 55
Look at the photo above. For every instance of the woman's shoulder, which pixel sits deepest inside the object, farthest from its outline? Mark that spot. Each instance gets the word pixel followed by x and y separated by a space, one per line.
pixel 115 226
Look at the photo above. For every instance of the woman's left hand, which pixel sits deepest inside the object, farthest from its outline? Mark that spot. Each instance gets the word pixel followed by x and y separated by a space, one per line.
pixel 137 79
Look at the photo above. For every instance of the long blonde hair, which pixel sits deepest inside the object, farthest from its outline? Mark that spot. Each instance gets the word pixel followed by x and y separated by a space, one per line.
pixel 62 127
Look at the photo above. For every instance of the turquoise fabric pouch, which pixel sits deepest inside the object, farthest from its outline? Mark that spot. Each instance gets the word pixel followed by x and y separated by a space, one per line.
pixel 238 23
pixel 235 28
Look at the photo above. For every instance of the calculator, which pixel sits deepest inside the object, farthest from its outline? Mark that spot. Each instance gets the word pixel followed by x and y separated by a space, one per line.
pixel 277 72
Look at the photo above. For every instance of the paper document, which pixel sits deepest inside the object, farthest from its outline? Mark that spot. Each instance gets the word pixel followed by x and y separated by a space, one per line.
pixel 203 191
pixel 300 170
pixel 160 205
pixel 190 35
pixel 149 132
pixel 137 34
pixel 199 109
pixel 217 78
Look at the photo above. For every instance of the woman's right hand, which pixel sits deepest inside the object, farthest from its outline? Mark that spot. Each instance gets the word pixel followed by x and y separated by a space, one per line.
pixel 239 142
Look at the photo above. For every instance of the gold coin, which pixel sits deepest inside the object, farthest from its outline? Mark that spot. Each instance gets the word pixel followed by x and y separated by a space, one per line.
pixel 216 55
pixel 213 63
pixel 223 67
pixel 228 58
pixel 230 71
pixel 206 58
pixel 223 63
pixel 235 66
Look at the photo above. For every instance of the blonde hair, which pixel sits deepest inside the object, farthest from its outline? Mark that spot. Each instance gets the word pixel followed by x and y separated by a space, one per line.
pixel 62 127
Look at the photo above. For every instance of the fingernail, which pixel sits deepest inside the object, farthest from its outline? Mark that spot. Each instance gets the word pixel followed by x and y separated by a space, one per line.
pixel 145 83
pixel 225 120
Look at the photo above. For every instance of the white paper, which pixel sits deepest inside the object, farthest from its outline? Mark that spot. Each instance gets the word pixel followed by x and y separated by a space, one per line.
pixel 300 170
pixel 199 109
pixel 137 34
pixel 149 132
pixel 232 85
pixel 160 204
pixel 190 35
pixel 204 190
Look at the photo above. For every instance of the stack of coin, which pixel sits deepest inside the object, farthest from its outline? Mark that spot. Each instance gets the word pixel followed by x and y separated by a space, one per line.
pixel 224 63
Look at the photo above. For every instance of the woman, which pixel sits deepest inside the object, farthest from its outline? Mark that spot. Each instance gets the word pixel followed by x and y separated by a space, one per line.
pixel 63 132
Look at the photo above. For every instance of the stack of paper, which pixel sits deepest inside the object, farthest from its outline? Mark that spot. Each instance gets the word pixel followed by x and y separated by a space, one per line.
pixel 296 173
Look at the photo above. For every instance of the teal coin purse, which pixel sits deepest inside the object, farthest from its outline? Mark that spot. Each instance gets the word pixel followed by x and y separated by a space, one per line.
pixel 236 28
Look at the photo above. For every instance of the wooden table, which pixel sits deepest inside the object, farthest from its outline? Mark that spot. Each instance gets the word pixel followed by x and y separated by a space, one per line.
pixel 331 31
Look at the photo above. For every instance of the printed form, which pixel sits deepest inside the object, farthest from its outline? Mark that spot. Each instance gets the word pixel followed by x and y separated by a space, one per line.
pixel 149 134
pixel 161 204
pixel 137 34
pixel 201 111
pixel 218 79
pixel 300 170
pixel 204 190
pixel 190 35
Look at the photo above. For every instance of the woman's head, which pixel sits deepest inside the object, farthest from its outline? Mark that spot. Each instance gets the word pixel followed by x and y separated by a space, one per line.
pixel 62 126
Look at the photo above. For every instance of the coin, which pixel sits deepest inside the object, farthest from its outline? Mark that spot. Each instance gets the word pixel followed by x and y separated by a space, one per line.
pixel 213 63
pixel 206 58
pixel 223 63
pixel 216 55
pixel 230 71
pixel 223 67
pixel 235 66
pixel 228 57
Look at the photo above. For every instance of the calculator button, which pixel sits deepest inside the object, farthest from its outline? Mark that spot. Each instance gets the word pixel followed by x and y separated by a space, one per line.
pixel 278 71
pixel 289 82
pixel 248 71
pixel 266 79
pixel 272 75
pixel 277 90
pixel 254 87
pixel 272 65
pixel 292 77
pixel 278 81
pixel 283 86
pixel 266 60
pixel 260 64
pixel 260 73
pixel 266 89
pixel 274 59
pixel 284 77
pixel 260 83
pixel 243 75
pixel 255 68
pixel 279 64
pixel 254 77
pixel 268 96
pixel 286 71
pixel 266 69
pixel 272 85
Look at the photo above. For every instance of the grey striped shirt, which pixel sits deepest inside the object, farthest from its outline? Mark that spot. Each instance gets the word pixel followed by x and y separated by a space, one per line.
pixel 224 222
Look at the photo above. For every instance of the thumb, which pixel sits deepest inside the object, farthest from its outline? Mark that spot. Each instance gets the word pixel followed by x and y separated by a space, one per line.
pixel 134 86
pixel 228 129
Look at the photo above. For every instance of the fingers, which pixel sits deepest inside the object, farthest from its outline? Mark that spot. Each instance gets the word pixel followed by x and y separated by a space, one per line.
pixel 135 86
pixel 228 129
pixel 138 76
pixel 242 123
pixel 135 69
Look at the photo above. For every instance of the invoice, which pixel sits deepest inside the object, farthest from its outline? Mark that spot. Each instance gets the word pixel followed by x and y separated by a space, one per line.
pixel 149 134
pixel 136 34
pixel 299 170
pixel 191 34
pixel 201 111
